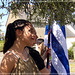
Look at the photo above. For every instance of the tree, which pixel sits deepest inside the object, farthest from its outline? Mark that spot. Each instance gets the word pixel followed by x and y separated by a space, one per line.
pixel 59 10
pixel 71 51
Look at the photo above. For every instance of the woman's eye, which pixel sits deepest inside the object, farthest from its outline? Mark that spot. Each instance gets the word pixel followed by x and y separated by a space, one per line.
pixel 29 30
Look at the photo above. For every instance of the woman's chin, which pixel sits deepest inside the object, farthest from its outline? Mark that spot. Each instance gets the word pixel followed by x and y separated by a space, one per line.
pixel 33 44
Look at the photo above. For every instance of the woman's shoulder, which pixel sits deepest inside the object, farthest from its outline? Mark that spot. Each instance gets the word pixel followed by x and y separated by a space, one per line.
pixel 9 55
pixel 9 58
pixel 8 62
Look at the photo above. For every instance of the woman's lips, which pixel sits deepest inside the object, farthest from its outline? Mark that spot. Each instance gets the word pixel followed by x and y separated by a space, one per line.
pixel 33 38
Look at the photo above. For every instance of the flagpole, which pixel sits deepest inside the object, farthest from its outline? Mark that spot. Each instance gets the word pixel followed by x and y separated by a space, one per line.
pixel 48 49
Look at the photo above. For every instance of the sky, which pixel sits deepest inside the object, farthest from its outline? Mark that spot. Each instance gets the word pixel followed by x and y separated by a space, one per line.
pixel 3 20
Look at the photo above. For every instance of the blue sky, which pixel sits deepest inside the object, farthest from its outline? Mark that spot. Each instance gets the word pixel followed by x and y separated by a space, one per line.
pixel 3 20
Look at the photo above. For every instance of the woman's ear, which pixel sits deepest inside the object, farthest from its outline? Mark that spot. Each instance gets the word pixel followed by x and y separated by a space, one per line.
pixel 18 32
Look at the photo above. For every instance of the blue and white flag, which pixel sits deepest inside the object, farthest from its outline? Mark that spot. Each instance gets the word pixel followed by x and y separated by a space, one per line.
pixel 47 41
pixel 59 52
pixel 47 29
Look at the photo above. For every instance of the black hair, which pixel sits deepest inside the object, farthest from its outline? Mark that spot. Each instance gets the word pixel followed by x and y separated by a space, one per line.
pixel 10 36
pixel 40 40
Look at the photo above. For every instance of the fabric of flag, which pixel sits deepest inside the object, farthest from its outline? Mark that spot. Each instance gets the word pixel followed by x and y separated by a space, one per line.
pixel 59 52
pixel 47 29
pixel 47 42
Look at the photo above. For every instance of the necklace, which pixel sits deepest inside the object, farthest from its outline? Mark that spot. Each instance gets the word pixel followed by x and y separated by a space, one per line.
pixel 25 54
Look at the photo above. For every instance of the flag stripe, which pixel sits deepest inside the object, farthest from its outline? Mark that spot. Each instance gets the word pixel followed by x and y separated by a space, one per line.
pixel 46 35
pixel 60 37
pixel 63 30
pixel 46 40
pixel 57 64
pixel 47 29
pixel 53 70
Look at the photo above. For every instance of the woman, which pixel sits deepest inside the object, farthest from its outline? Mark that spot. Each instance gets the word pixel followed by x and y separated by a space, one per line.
pixel 19 56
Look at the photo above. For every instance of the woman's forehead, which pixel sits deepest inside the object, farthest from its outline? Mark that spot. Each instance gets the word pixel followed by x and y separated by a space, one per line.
pixel 30 26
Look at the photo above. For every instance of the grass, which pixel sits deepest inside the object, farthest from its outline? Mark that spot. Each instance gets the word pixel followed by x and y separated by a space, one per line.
pixel 1 45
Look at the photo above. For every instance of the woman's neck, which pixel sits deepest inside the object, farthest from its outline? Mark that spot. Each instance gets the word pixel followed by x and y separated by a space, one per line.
pixel 18 46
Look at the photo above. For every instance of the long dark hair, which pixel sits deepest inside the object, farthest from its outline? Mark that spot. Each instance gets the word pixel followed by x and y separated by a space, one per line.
pixel 10 36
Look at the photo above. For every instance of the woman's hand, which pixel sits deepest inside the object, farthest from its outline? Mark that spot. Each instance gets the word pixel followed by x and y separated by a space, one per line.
pixel 44 55
pixel 45 71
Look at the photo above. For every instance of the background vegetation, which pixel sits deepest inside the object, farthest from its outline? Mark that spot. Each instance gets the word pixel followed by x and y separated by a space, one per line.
pixel 42 10
pixel 71 51
pixel 1 45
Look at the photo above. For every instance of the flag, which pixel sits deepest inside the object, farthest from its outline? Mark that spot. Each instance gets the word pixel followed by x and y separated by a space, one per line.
pixel 59 52
pixel 47 29
pixel 47 42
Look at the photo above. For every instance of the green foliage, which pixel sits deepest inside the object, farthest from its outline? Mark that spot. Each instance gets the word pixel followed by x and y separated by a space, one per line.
pixel 70 51
pixel 70 54
pixel 1 45
pixel 73 44
pixel 59 10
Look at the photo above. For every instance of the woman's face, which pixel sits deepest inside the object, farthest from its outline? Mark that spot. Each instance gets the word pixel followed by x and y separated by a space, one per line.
pixel 29 35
